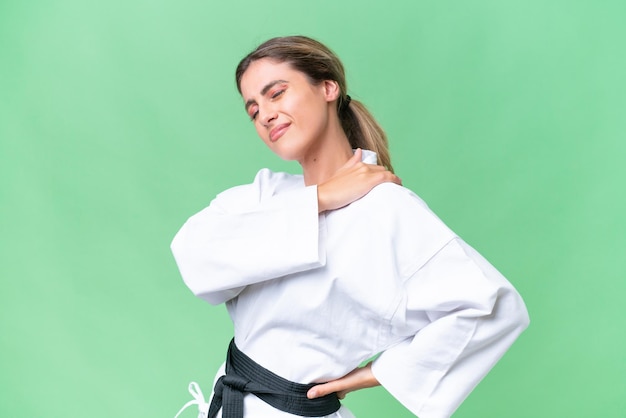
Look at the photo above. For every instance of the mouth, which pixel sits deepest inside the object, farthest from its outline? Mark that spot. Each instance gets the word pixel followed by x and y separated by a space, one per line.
pixel 278 131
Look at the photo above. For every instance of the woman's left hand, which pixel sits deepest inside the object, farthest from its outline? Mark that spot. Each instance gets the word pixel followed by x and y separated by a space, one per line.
pixel 359 378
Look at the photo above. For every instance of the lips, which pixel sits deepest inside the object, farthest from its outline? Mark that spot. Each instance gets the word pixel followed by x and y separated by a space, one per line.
pixel 278 131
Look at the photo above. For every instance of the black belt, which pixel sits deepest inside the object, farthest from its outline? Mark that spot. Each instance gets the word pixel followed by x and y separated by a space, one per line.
pixel 243 376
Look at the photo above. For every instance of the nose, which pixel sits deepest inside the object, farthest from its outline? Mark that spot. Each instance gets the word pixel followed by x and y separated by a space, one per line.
pixel 267 115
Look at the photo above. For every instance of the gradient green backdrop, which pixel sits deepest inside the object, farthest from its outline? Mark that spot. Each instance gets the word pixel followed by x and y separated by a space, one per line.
pixel 119 119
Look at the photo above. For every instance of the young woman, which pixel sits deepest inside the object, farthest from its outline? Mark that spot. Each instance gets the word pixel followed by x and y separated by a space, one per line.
pixel 322 271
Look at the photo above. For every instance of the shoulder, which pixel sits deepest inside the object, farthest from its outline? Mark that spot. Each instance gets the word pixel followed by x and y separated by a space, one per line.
pixel 397 201
pixel 395 196
pixel 406 221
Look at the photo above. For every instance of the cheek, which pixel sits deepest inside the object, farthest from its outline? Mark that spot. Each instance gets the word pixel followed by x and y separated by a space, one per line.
pixel 262 133
pixel 315 113
pixel 259 130
pixel 314 120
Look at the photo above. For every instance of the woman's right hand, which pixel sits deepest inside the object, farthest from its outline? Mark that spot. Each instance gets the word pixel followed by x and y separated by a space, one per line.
pixel 351 182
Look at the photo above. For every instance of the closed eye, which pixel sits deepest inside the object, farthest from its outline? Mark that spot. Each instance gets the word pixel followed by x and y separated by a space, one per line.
pixel 253 109
pixel 277 94
pixel 253 112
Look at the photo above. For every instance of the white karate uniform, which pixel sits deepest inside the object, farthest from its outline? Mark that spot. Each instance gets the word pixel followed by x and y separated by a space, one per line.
pixel 314 295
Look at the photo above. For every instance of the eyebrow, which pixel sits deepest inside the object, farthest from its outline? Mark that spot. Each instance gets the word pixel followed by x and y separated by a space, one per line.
pixel 264 90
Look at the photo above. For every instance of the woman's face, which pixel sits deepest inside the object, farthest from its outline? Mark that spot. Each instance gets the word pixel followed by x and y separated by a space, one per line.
pixel 290 114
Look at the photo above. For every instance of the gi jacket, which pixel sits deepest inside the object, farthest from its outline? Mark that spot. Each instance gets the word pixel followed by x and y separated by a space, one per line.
pixel 314 295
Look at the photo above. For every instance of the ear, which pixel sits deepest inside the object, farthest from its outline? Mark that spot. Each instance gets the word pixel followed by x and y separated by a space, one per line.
pixel 331 90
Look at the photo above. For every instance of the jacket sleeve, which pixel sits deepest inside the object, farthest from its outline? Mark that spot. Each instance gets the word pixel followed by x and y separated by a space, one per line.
pixel 458 317
pixel 248 235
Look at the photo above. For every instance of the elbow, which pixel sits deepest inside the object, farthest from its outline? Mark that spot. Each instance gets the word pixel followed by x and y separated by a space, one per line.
pixel 201 284
pixel 217 298
pixel 517 313
pixel 206 289
pixel 523 318
pixel 199 273
pixel 191 272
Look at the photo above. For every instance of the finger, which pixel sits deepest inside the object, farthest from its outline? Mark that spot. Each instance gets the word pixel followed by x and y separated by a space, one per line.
pixel 356 158
pixel 352 161
pixel 322 390
pixel 396 179
pixel 388 176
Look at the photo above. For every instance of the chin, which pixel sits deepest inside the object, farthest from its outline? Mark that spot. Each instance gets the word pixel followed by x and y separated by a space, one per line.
pixel 288 153
pixel 287 157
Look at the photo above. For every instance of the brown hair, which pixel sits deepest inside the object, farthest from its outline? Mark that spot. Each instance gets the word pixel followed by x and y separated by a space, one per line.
pixel 319 63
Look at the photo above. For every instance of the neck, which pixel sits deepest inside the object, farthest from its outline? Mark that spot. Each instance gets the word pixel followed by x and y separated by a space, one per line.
pixel 328 156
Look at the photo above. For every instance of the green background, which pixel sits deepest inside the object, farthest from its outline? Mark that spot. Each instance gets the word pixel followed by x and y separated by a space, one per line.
pixel 119 119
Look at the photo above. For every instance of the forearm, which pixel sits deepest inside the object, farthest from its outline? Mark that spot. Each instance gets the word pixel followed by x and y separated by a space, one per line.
pixel 219 251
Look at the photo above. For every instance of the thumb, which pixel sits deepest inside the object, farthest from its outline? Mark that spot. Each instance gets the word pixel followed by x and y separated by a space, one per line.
pixel 356 158
pixel 322 390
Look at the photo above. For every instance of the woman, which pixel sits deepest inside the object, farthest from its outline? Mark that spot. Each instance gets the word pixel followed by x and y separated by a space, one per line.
pixel 323 271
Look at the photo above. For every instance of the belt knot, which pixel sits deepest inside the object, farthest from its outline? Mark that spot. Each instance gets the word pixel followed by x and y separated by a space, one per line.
pixel 278 392
pixel 235 382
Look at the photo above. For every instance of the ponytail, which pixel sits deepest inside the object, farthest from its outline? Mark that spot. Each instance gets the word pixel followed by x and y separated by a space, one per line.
pixel 363 131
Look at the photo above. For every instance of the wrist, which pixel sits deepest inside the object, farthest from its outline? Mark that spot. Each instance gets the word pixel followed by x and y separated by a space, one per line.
pixel 371 379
